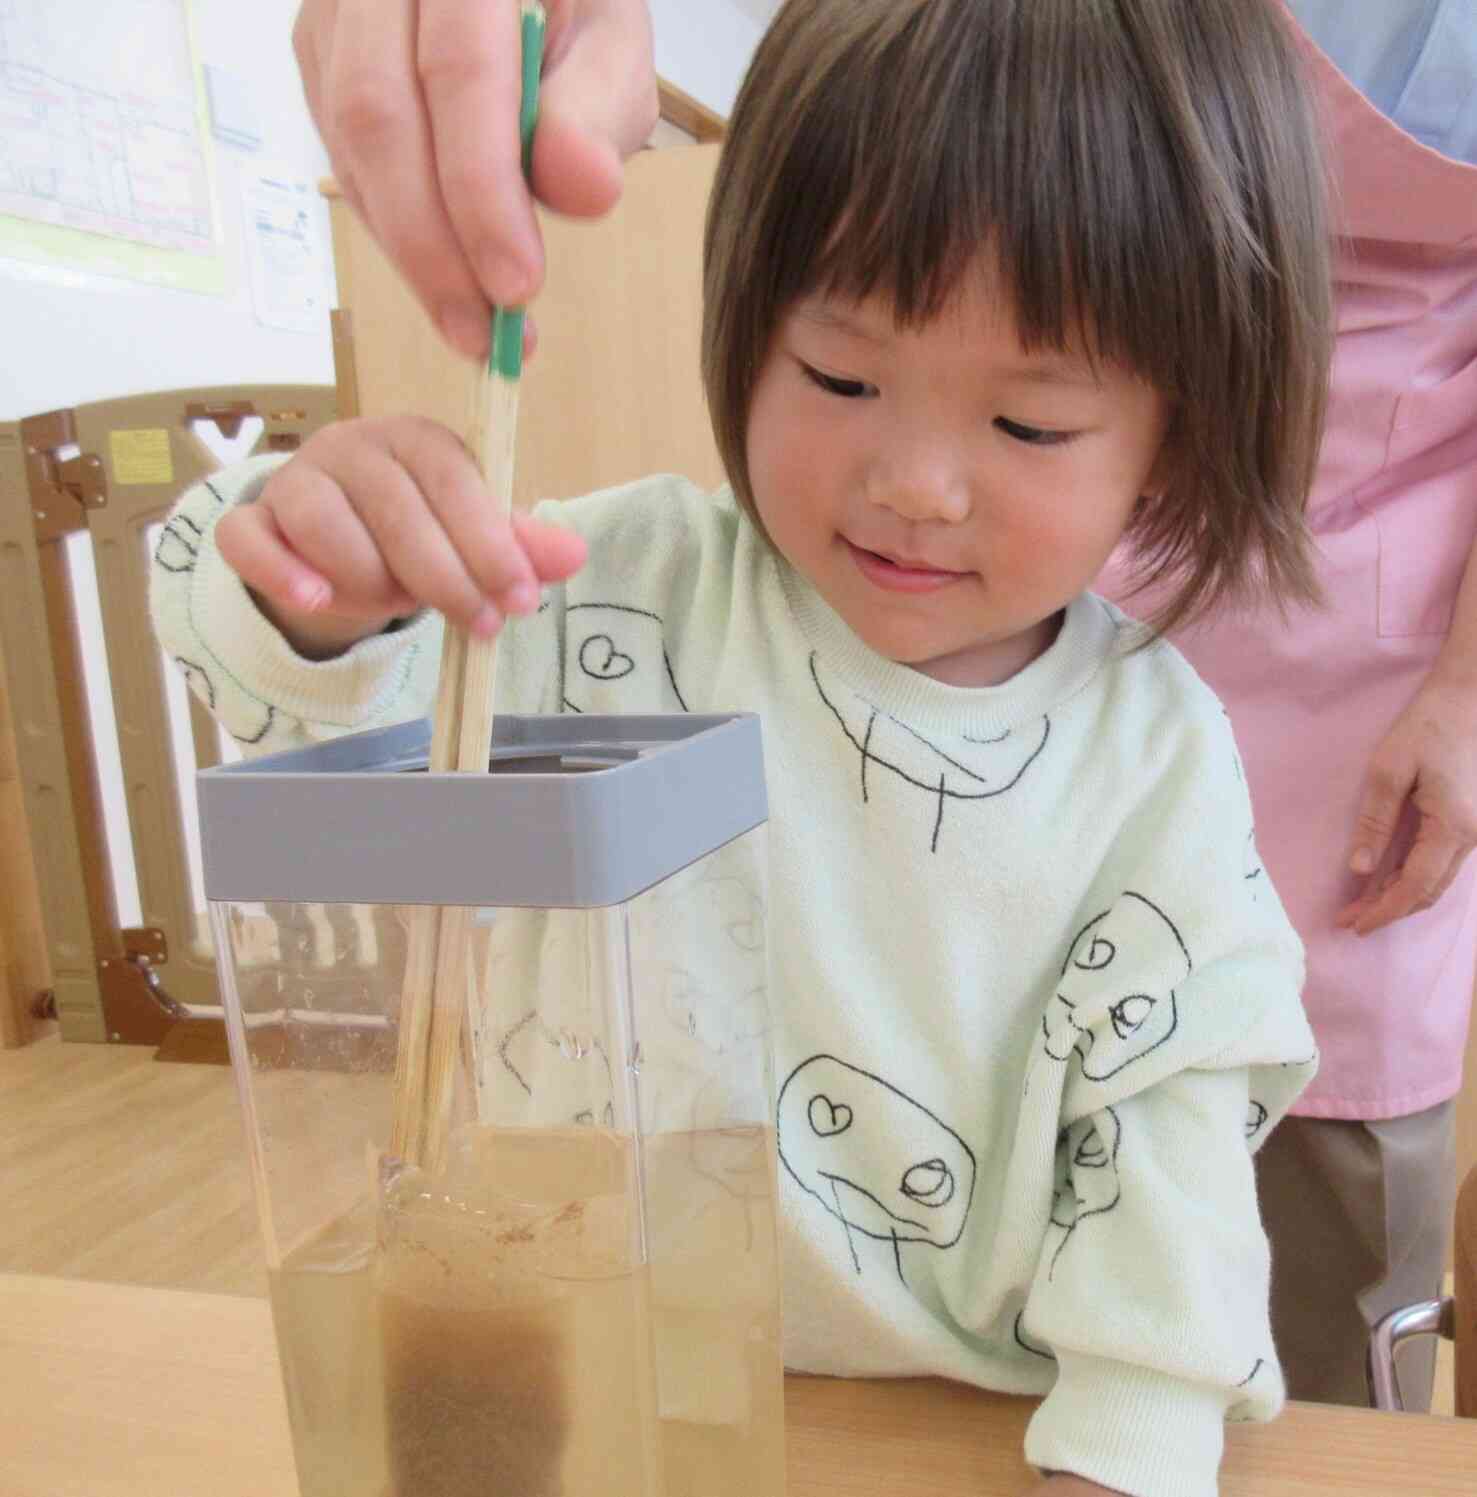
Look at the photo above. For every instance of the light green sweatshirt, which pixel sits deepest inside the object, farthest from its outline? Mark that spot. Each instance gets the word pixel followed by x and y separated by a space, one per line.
pixel 1035 1003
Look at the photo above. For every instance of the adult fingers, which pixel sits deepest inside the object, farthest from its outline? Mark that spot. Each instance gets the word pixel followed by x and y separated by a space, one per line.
pixel 1386 787
pixel 575 172
pixel 373 119
pixel 1427 872
pixel 470 71
pixel 311 35
pixel 314 22
pixel 599 104
pixel 602 69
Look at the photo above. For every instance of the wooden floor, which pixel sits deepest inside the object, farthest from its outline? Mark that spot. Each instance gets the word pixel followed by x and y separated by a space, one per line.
pixel 117 1168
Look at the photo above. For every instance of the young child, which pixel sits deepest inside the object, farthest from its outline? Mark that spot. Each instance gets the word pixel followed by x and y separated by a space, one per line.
pixel 988 286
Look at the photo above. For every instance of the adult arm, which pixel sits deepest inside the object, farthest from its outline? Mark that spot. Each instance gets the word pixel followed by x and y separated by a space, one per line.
pixel 1428 759
pixel 417 104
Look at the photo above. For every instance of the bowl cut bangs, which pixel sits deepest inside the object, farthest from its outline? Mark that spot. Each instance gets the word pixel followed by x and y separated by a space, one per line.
pixel 1148 178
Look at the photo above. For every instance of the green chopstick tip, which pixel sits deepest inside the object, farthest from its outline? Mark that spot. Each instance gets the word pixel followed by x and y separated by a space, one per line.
pixel 505 348
pixel 505 355
pixel 533 63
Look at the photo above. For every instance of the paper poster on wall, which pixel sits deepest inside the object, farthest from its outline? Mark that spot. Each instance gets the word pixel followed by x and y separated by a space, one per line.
pixel 104 153
pixel 289 284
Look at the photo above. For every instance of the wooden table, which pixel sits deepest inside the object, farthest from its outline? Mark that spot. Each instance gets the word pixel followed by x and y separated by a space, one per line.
pixel 118 1391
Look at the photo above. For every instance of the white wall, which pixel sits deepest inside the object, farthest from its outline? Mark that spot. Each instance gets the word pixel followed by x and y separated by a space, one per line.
pixel 70 337
pixel 703 46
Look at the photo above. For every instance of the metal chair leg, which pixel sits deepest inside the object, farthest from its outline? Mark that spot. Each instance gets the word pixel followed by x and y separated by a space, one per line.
pixel 1435 1317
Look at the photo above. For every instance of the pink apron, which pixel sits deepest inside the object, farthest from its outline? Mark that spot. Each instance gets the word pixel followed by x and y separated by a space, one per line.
pixel 1394 512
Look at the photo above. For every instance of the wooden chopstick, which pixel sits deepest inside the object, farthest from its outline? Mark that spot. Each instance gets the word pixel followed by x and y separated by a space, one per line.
pixel 438 988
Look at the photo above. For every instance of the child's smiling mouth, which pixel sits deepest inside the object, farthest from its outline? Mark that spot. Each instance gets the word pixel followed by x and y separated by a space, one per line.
pixel 898 574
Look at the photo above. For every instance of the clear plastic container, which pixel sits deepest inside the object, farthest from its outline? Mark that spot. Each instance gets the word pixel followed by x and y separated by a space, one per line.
pixel 581 1295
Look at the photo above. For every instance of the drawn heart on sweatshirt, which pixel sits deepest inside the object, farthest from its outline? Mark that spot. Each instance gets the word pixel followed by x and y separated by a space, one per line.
pixel 600 658
pixel 828 1118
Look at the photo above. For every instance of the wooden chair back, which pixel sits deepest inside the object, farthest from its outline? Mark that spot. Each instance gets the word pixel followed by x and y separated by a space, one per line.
pixel 110 470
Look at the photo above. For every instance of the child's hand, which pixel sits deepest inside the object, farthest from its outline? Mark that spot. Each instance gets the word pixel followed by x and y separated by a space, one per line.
pixel 375 519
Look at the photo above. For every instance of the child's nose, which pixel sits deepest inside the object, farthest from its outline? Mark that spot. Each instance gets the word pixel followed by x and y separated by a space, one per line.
pixel 925 488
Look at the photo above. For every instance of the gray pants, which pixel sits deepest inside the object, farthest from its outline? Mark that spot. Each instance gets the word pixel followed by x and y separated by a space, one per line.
pixel 1358 1215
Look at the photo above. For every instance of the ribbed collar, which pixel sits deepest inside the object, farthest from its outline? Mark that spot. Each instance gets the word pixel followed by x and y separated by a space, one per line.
pixel 1089 637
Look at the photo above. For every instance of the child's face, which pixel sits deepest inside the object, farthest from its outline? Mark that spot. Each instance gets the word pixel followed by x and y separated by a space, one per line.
pixel 946 492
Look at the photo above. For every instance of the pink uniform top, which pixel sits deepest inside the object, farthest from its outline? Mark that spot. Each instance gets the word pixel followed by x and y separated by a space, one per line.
pixel 1394 513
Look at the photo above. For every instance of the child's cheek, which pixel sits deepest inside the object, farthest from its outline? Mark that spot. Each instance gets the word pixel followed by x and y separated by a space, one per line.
pixel 1074 540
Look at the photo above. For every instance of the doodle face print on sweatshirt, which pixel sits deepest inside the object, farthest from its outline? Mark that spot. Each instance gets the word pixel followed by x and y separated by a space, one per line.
pixel 618 661
pixel 1086 1182
pixel 1115 1000
pixel 941 773
pixel 882 1164
pixel 178 550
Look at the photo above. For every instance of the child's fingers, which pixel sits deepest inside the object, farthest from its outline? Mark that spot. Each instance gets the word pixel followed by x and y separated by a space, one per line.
pixel 553 552
pixel 453 489
pixel 375 519
pixel 317 519
pixel 255 549
pixel 414 545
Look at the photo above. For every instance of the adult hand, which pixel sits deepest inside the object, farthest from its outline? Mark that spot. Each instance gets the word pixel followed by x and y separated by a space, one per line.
pixel 417 103
pixel 1428 758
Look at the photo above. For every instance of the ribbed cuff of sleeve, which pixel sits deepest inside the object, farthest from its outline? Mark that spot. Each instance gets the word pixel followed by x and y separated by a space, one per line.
pixel 1130 1428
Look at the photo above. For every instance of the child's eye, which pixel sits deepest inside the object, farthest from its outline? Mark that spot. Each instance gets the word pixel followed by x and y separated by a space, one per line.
pixel 847 389
pixel 1033 436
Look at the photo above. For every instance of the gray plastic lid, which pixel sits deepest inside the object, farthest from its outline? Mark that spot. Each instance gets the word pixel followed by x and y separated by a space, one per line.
pixel 578 811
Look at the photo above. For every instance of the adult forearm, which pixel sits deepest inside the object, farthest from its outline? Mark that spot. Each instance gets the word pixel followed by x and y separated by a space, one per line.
pixel 1427 761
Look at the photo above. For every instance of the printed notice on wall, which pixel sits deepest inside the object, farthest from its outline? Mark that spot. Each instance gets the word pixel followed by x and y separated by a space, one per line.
pixel 104 155
pixel 289 282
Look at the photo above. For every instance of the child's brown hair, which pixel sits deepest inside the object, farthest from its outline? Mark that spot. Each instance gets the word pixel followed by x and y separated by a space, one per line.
pixel 1147 173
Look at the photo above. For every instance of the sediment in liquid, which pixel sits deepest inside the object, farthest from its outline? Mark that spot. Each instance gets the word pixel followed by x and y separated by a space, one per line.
pixel 509 1339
